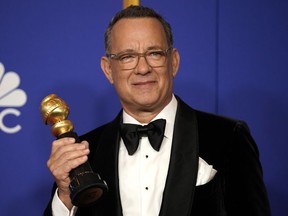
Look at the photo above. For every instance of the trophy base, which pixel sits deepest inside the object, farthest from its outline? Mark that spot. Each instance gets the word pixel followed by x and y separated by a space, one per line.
pixel 86 189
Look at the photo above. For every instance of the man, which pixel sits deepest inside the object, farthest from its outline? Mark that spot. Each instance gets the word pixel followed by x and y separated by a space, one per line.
pixel 206 165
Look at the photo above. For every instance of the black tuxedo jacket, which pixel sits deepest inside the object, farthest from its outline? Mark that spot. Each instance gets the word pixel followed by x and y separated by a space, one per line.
pixel 236 189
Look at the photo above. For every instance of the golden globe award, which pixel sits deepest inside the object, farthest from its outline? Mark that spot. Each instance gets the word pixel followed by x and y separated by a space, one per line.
pixel 86 186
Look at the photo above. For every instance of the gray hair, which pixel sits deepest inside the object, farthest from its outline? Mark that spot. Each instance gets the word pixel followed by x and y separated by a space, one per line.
pixel 137 12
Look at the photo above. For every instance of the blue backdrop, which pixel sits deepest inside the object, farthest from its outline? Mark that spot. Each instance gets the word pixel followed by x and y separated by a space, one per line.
pixel 234 61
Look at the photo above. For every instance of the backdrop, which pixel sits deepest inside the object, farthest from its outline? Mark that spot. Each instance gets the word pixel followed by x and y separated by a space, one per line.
pixel 234 61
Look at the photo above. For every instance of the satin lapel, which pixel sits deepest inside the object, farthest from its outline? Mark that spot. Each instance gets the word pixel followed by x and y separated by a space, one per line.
pixel 106 162
pixel 180 185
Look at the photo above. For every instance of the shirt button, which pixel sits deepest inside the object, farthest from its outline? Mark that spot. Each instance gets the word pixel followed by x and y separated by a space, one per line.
pixel 146 188
pixel 146 156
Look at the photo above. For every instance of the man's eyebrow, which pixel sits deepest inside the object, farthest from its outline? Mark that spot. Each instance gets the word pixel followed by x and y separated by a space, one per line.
pixel 127 51
pixel 134 51
pixel 154 48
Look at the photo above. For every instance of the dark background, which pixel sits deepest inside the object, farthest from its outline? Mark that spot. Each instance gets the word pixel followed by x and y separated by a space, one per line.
pixel 234 62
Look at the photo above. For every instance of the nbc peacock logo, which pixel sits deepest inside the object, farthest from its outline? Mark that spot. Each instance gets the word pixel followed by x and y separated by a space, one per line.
pixel 11 97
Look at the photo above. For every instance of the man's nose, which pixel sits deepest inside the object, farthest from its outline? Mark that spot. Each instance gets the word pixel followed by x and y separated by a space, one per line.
pixel 143 65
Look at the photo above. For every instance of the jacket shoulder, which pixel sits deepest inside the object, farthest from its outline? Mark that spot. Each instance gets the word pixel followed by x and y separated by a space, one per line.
pixel 95 136
pixel 223 137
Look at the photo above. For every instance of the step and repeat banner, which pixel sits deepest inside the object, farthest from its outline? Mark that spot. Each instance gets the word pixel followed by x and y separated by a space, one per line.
pixel 234 62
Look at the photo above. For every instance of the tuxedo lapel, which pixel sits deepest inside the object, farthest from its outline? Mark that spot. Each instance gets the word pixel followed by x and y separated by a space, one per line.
pixel 183 168
pixel 106 163
pixel 181 179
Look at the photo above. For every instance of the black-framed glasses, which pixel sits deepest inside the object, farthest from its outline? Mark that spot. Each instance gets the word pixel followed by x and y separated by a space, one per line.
pixel 129 60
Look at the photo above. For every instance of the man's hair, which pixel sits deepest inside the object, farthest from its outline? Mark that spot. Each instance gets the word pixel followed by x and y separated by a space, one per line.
pixel 137 12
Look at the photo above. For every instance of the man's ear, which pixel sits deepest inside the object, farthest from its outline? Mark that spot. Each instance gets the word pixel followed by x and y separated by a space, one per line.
pixel 175 61
pixel 106 68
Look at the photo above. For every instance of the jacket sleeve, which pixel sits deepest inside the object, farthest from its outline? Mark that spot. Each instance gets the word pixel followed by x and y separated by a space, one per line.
pixel 48 210
pixel 245 192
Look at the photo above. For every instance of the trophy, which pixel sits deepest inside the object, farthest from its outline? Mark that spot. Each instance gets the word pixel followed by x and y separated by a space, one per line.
pixel 86 186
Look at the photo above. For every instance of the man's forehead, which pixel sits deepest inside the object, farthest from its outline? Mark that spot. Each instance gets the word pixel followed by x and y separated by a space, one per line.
pixel 136 33
pixel 129 21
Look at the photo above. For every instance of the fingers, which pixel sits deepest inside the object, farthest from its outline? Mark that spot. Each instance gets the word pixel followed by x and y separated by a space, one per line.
pixel 65 156
pixel 64 150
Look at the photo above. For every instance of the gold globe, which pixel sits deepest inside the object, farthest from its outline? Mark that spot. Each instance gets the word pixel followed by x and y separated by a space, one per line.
pixel 54 112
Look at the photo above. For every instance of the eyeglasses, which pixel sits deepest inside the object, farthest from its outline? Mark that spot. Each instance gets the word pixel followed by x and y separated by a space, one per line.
pixel 129 60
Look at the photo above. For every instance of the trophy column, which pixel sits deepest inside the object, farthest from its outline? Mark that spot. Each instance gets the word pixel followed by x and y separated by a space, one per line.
pixel 86 186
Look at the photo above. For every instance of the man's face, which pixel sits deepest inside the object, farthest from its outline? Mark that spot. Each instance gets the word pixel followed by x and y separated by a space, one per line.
pixel 143 88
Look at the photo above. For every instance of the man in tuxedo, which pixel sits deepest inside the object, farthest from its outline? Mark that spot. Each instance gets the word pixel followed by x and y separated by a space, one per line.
pixel 200 164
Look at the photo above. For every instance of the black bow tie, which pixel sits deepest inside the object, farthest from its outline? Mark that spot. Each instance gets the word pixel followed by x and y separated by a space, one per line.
pixel 132 133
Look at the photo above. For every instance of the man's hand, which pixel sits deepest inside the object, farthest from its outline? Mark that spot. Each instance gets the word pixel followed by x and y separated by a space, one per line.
pixel 65 156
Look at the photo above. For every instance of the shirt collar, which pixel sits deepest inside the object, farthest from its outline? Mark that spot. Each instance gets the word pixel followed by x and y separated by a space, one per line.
pixel 168 113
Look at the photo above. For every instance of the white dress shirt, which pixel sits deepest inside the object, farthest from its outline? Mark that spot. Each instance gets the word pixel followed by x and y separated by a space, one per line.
pixel 142 176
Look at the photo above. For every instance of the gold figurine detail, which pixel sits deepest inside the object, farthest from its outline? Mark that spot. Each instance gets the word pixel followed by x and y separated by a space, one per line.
pixel 54 112
pixel 86 186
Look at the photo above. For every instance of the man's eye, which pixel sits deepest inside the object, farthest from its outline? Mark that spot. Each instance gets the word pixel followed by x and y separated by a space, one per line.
pixel 127 57
pixel 156 54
